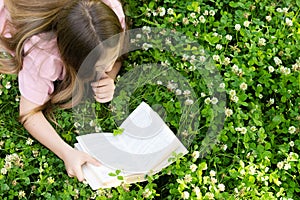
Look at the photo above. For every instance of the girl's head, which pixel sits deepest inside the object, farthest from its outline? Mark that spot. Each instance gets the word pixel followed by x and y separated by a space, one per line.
pixel 84 27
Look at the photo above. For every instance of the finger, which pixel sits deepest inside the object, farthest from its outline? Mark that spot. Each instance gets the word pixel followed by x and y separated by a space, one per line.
pixel 93 161
pixel 103 100
pixel 70 173
pixel 104 90
pixel 103 82
pixel 79 174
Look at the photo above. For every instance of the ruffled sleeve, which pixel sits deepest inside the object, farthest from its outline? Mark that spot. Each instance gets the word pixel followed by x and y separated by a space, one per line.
pixel 116 6
pixel 4 16
pixel 42 66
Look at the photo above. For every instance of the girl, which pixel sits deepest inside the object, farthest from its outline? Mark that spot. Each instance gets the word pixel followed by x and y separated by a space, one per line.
pixel 45 42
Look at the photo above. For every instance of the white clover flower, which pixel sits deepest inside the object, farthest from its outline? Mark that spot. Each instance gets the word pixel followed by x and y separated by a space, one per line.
pixel 186 93
pixel 268 18
pixel 280 165
pixel 219 46
pixel 226 61
pixel 228 112
pixel 3 171
pixel 202 19
pixel 224 147
pixel 92 123
pixel 237 27
pixel 284 70
pixel 158 82
pixel 222 85
pixel 221 187
pixel 291 143
pixel 50 180
pixel 277 61
pixel 243 86
pixel 243 130
pixel 195 23
pixel 287 166
pixel 21 194
pixel 271 101
pixel 215 34
pixel 146 29
pixel 252 170
pixel 212 12
pixel 246 23
pixel 146 46
pixel 206 13
pixel 232 92
pixel 77 125
pixel 138 36
pixel 161 11
pixel 196 154
pixel 203 94
pixel 228 37
pixel 189 102
pixel 288 22
pixel 235 68
pixel 29 141
pixel 170 11
pixel 238 129
pixel 253 128
pixel 185 21
pixel 271 69
pixel 292 129
pixel 98 129
pixel 213 180
pixel 187 178
pixel 260 96
pixel 235 99
pixel 171 85
pixel 154 13
pixel 296 67
pixel 216 57
pixel 261 42
pixel 197 191
pixel 8 85
pixel 185 195
pixel 202 59
pixel 279 10
pixel 214 100
pixel 210 195
pixel 207 100
pixel 147 193
pixel 178 92
pixel 285 10
pixel 193 15
pixel 193 167
pixel 293 157
pixel 212 173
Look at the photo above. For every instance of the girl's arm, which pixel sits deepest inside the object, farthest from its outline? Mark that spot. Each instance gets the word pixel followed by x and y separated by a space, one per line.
pixel 39 127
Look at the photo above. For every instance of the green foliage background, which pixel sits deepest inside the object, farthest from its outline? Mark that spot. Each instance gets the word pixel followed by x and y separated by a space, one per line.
pixel 257 156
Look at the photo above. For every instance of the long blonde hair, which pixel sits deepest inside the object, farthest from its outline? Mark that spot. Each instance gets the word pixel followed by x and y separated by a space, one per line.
pixel 79 25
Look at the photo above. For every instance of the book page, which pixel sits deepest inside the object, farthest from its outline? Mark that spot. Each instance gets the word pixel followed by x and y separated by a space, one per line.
pixel 145 145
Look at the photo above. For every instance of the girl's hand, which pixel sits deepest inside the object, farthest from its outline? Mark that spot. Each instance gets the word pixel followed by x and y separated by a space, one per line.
pixel 104 89
pixel 74 160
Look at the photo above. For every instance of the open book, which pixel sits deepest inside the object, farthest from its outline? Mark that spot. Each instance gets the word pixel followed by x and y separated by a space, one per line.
pixel 143 148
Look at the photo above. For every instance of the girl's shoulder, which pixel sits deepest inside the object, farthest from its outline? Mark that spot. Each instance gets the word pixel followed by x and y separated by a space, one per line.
pixel 116 6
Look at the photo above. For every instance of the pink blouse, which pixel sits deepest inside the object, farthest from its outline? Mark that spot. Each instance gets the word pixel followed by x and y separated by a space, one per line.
pixel 42 64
